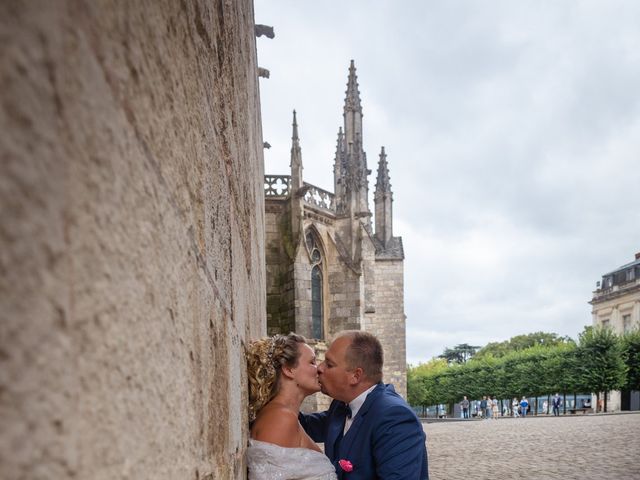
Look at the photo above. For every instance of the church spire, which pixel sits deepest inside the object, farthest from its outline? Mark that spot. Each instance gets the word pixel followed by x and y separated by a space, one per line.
pixel 382 183
pixel 383 199
pixel 294 136
pixel 354 172
pixel 338 172
pixel 352 100
pixel 352 108
pixel 296 157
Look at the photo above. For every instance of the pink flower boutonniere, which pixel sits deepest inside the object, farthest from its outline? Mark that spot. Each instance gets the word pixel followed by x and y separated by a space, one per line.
pixel 345 465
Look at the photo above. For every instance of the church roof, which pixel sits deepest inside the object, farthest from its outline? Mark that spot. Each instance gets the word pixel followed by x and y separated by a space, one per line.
pixel 393 250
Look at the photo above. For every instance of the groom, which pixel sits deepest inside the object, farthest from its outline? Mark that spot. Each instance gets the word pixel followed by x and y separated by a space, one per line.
pixel 369 431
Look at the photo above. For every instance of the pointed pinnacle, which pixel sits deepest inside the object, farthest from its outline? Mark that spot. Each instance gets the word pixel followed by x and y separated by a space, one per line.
pixel 294 136
pixel 382 182
pixel 352 99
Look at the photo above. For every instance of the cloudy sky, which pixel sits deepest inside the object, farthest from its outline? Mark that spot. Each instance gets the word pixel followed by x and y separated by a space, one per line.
pixel 512 130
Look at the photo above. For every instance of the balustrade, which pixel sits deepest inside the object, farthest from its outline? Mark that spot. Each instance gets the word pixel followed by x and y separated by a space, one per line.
pixel 277 185
pixel 280 186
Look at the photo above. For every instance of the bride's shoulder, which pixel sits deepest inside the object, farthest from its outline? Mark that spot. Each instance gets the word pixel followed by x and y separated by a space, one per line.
pixel 278 425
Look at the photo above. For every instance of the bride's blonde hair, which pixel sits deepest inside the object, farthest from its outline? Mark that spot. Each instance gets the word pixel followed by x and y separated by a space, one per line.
pixel 265 359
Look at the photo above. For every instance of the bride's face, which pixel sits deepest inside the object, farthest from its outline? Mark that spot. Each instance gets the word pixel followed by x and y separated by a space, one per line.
pixel 306 372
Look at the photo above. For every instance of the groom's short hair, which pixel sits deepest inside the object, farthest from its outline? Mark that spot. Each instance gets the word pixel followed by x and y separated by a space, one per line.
pixel 365 351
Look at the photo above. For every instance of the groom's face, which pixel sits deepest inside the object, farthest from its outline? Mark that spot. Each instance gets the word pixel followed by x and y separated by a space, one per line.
pixel 334 373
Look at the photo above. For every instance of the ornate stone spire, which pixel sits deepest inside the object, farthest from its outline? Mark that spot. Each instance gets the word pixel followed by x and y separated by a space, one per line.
pixel 353 173
pixel 296 190
pixel 339 173
pixel 352 108
pixel 296 157
pixel 294 136
pixel 383 199
pixel 352 100
pixel 382 183
pixel 338 164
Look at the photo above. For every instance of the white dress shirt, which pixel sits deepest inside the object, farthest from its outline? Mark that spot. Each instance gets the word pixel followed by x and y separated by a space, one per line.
pixel 355 405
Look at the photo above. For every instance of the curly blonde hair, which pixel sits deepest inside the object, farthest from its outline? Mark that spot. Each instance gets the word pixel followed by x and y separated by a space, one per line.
pixel 265 359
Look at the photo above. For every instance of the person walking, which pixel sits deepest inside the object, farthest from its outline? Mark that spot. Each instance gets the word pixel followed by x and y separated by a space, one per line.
pixel 483 406
pixel 514 407
pixel 494 408
pixel 555 403
pixel 464 404
pixel 524 404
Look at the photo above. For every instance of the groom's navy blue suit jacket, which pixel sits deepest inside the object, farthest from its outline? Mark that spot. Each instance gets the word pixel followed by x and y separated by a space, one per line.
pixel 385 440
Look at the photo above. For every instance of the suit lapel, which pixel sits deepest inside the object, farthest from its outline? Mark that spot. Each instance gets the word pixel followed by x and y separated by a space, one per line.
pixel 336 425
pixel 358 420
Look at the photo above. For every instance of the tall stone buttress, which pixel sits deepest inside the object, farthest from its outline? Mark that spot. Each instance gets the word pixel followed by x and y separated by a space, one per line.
pixel 132 237
pixel 327 270
pixel 383 198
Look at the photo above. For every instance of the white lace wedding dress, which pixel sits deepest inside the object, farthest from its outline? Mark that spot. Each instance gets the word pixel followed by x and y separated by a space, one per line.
pixel 268 461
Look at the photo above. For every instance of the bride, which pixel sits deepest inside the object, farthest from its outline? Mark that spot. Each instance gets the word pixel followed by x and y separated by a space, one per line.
pixel 282 372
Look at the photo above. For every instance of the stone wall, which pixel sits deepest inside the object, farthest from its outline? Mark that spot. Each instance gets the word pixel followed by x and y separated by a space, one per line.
pixel 132 237
pixel 388 323
pixel 280 280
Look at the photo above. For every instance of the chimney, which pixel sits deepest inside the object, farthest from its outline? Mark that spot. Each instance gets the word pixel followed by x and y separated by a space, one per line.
pixel 638 256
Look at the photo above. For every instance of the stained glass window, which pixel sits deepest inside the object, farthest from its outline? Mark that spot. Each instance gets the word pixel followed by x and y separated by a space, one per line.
pixel 316 303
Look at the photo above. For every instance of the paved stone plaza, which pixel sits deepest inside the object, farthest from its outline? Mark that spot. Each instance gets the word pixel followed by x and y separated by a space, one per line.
pixel 574 447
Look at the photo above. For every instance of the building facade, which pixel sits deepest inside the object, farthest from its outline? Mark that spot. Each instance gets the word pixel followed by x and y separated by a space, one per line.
pixel 616 305
pixel 133 274
pixel 330 267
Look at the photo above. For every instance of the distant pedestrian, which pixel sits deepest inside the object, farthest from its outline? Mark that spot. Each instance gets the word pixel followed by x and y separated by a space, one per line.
pixel 514 407
pixel 483 407
pixel 555 403
pixel 464 404
pixel 494 408
pixel 524 404
pixel 545 407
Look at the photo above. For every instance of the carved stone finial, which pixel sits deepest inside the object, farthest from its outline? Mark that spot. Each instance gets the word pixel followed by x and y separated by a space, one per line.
pixel 265 30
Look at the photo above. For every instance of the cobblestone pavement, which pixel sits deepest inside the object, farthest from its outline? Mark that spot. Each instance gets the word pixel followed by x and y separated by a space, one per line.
pixel 583 447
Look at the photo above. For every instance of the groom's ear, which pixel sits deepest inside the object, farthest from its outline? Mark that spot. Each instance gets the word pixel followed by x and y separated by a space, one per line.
pixel 357 375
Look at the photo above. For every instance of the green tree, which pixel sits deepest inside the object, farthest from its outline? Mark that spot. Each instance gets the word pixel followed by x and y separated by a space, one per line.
pixel 521 342
pixel 451 356
pixel 416 393
pixel 561 373
pixel 631 349
pixel 421 386
pixel 600 361
pixel 460 353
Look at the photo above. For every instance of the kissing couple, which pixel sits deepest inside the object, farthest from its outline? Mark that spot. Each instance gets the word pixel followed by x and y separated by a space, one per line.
pixel 369 431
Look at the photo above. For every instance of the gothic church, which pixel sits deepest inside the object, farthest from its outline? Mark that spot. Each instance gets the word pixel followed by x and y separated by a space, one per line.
pixel 328 270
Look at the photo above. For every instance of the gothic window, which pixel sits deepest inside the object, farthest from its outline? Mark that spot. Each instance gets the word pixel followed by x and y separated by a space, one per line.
pixel 316 302
pixel 317 310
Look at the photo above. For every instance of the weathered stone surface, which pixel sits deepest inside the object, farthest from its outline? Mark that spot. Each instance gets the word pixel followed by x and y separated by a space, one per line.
pixel 593 447
pixel 132 237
